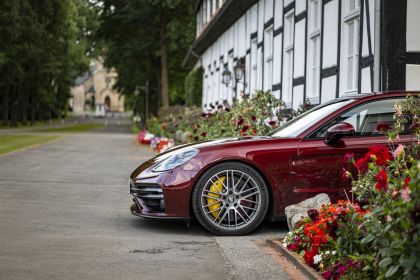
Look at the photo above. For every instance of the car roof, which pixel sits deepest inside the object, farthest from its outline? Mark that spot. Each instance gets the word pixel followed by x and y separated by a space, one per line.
pixel 371 94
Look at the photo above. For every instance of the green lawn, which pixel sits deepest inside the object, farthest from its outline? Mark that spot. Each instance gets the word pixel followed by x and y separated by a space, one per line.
pixel 10 143
pixel 73 128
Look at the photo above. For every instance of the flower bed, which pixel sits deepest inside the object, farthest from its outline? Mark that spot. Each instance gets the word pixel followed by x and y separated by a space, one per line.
pixel 375 234
pixel 256 115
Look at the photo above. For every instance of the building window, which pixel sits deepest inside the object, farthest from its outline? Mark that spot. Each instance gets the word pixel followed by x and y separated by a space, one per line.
pixel 254 64
pixel 268 52
pixel 289 28
pixel 350 46
pixel 314 48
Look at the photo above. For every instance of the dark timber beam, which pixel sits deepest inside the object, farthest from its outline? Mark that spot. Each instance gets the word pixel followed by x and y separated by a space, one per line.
pixel 394 41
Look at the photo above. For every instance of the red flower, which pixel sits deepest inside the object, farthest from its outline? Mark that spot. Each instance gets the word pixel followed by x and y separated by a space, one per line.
pixel 313 214
pixel 406 182
pixel 253 118
pixel 272 123
pixel 203 115
pixel 240 121
pixel 164 127
pixel 381 180
pixel 203 134
pixel 362 163
pixel 383 127
pixel 254 131
pixel 245 128
pixel 309 255
pixel 381 154
pixel 327 274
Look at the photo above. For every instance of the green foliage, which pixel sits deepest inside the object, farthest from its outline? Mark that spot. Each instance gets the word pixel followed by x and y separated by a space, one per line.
pixel 256 115
pixel 382 241
pixel 194 87
pixel 42 50
pixel 133 33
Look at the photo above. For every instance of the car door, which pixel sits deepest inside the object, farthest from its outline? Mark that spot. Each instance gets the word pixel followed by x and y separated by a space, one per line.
pixel 318 166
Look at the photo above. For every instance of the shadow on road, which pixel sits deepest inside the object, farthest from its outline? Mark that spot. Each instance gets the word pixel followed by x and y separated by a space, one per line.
pixel 180 227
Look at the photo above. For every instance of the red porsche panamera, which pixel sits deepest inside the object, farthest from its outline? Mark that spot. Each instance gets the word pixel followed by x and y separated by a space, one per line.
pixel 231 185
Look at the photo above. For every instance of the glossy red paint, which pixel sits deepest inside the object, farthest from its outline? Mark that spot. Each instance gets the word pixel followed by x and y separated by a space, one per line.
pixel 294 168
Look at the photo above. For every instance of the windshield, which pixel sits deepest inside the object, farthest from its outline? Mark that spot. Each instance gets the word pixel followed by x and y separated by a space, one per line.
pixel 296 126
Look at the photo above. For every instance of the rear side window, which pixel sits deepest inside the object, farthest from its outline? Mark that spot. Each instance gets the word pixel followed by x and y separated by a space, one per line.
pixel 369 119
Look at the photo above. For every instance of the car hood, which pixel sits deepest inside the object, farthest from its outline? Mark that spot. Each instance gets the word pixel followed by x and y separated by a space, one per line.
pixel 202 147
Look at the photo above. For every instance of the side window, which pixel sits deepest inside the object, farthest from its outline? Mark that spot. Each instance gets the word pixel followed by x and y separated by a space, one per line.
pixel 369 119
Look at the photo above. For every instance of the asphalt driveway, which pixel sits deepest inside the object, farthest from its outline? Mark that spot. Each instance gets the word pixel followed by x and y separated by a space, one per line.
pixel 64 214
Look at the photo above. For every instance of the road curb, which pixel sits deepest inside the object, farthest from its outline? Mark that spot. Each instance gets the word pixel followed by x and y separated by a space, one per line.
pixel 309 272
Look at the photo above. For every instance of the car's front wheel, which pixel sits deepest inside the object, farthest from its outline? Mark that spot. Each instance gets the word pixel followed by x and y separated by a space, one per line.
pixel 230 199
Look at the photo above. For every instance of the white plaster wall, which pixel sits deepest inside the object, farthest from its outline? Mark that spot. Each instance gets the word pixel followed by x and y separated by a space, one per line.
pixel 300 6
pixel 278 13
pixel 297 96
pixel 299 60
pixel 277 59
pixel 330 34
pixel 268 11
pixel 366 85
pixel 412 77
pixel 328 88
pixel 413 25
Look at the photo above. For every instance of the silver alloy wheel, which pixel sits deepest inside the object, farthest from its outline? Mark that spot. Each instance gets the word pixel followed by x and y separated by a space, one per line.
pixel 231 199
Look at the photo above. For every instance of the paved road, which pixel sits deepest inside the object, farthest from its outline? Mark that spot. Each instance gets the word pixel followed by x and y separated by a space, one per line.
pixel 64 214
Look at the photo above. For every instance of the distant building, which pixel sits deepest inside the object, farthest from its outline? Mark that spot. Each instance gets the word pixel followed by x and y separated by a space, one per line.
pixel 94 91
pixel 301 50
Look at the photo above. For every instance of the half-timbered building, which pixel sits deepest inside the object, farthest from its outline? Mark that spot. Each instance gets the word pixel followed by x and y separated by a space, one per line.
pixel 301 50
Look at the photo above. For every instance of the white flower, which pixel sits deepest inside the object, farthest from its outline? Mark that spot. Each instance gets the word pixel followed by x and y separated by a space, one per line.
pixel 317 258
pixel 334 252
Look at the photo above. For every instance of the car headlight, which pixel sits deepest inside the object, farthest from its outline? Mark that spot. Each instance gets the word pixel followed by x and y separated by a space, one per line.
pixel 175 160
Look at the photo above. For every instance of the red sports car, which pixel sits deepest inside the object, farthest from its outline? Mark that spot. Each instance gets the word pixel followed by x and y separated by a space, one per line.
pixel 231 185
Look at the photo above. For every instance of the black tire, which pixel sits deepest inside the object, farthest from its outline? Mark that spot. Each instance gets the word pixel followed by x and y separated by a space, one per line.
pixel 253 193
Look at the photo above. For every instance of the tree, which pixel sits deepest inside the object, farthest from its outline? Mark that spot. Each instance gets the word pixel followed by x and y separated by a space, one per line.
pixel 43 48
pixel 146 41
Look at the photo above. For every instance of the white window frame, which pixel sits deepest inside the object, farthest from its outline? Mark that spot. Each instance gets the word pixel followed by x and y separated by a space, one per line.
pixel 254 64
pixel 268 53
pixel 289 29
pixel 314 36
pixel 350 46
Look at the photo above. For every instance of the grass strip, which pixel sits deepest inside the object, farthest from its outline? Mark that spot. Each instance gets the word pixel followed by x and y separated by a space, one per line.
pixel 81 127
pixel 11 143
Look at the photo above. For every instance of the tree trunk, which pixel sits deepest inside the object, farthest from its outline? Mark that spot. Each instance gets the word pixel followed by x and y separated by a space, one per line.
pixel 6 106
pixel 24 103
pixel 164 61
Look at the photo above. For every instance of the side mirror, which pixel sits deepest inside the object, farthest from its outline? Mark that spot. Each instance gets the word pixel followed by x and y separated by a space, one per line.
pixel 338 131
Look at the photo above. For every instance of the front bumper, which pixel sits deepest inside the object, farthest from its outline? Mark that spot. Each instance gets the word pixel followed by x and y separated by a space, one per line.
pixel 163 195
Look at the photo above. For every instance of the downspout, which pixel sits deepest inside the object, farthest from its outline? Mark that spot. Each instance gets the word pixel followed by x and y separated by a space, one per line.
pixel 377 52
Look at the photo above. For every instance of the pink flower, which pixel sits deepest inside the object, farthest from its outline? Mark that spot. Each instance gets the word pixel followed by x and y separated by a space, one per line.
pixel 405 194
pixel 348 158
pixel 398 151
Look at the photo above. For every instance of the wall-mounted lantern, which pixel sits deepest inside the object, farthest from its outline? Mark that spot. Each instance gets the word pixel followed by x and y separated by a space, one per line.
pixel 239 69
pixel 226 76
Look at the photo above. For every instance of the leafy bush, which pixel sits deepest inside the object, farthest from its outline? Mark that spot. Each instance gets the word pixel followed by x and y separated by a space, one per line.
pixel 376 236
pixel 194 87
pixel 256 115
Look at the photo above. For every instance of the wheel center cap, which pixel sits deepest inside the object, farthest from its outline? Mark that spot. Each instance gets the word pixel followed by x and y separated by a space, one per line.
pixel 230 199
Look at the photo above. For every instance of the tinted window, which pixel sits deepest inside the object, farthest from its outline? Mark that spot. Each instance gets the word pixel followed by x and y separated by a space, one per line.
pixel 372 118
pixel 296 126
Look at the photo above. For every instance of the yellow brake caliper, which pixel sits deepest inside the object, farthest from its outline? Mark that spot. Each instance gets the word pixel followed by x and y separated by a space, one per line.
pixel 216 187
